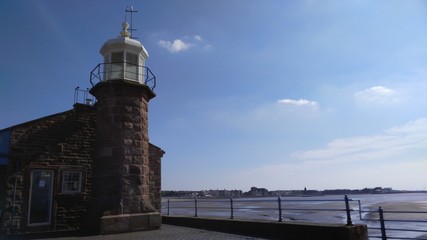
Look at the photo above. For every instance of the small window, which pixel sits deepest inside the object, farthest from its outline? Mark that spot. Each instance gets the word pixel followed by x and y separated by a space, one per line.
pixel 117 57
pixel 71 182
pixel 116 70
pixel 131 66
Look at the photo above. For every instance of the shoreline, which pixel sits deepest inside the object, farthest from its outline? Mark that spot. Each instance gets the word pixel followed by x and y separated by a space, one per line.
pixel 299 195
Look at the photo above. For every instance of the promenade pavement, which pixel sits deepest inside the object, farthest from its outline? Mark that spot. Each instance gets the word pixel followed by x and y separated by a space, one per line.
pixel 166 232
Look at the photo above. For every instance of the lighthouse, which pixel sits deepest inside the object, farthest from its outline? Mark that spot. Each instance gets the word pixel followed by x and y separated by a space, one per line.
pixel 121 190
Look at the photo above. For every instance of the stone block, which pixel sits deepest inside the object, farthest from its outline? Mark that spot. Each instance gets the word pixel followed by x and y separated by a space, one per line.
pixel 130 222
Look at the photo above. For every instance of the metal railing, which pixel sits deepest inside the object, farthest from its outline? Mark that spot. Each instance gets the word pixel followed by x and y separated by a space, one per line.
pixel 384 231
pixel 275 209
pixel 83 96
pixel 124 70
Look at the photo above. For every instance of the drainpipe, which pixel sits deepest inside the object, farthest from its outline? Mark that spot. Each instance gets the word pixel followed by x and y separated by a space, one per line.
pixel 12 212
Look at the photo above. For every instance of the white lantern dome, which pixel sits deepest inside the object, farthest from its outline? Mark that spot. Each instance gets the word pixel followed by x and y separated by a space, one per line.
pixel 124 57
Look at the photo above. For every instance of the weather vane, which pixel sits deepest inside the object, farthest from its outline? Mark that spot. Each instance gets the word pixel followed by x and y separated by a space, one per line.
pixel 131 29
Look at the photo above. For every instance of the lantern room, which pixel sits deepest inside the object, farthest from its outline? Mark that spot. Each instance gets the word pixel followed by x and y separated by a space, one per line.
pixel 124 58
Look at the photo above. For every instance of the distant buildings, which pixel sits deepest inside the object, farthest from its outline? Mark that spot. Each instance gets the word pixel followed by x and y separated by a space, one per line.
pixel 258 192
pixel 263 192
pixel 204 194
pixel 228 193
pixel 254 192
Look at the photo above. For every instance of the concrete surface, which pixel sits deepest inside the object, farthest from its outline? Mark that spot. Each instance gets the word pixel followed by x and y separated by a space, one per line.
pixel 130 222
pixel 166 232
pixel 274 230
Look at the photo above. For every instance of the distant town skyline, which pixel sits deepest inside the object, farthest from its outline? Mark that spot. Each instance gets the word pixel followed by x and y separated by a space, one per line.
pixel 263 192
pixel 278 94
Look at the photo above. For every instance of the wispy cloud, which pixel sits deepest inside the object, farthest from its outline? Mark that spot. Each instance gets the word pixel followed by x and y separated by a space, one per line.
pixel 300 102
pixel 387 145
pixel 183 44
pixel 377 95
pixel 340 164
pixel 177 45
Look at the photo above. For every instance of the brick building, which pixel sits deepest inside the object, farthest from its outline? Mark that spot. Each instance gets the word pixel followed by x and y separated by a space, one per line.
pixel 91 167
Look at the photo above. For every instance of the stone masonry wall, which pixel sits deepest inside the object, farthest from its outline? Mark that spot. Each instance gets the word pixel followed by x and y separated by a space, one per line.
pixel 156 155
pixel 59 142
pixel 121 165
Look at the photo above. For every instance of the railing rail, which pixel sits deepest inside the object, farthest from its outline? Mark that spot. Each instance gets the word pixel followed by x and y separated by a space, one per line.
pixel 384 230
pixel 125 70
pixel 83 96
pixel 239 204
pixel 280 206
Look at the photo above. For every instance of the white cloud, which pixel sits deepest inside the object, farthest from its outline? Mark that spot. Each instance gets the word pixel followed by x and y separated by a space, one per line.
pixel 176 46
pixel 377 95
pixel 395 157
pixel 398 141
pixel 301 102
pixel 283 113
pixel 184 43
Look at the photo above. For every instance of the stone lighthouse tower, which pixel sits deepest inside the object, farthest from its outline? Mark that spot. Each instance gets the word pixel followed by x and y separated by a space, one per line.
pixel 122 200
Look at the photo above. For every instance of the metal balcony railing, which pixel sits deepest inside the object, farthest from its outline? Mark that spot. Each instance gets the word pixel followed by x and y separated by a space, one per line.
pixel 392 224
pixel 83 96
pixel 123 70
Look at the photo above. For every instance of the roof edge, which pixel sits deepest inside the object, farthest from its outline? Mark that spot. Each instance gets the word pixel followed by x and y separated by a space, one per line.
pixel 75 107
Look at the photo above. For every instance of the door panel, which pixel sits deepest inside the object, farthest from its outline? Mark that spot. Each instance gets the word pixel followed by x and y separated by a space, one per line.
pixel 40 197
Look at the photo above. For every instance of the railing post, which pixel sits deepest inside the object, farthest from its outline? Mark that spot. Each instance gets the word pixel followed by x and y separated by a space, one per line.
pixel 279 202
pixel 347 209
pixel 76 94
pixel 168 206
pixel 195 206
pixel 231 208
pixel 383 232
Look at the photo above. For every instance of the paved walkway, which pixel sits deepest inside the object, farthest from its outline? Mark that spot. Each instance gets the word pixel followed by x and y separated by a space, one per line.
pixel 166 232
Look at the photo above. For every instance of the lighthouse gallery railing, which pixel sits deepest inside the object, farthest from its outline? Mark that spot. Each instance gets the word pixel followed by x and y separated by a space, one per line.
pixel 104 71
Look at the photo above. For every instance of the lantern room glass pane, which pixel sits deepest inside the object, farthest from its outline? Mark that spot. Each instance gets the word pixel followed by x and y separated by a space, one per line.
pixel 131 66
pixel 116 71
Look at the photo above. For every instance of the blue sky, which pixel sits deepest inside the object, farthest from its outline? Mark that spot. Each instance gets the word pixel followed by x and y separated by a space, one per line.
pixel 274 94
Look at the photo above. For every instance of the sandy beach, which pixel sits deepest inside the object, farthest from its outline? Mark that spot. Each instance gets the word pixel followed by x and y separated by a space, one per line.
pixel 400 210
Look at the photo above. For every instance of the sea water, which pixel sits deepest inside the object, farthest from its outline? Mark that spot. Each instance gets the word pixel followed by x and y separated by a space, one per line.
pixel 316 209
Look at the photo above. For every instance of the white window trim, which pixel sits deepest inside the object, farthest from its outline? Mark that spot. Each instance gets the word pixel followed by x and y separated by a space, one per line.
pixel 80 182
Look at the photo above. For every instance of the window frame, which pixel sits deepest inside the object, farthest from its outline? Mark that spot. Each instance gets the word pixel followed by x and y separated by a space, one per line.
pixel 131 66
pixel 50 200
pixel 117 65
pixel 64 188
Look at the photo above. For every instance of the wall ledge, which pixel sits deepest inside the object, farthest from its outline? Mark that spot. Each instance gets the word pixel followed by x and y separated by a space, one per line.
pixel 273 230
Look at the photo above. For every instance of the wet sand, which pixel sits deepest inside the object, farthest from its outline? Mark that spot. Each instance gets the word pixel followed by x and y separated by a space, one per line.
pixel 415 211
pixel 396 210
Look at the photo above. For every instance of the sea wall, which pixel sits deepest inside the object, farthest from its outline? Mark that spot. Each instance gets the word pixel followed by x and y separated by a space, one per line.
pixel 274 230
